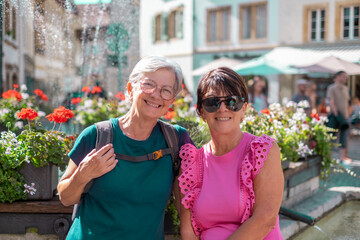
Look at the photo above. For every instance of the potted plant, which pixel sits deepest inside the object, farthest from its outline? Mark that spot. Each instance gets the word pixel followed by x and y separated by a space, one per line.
pixel 28 159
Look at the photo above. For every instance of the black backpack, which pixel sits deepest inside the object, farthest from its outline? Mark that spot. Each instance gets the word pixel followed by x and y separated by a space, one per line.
pixel 104 135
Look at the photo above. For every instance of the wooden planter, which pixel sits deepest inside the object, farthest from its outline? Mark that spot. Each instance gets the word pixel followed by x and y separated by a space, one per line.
pixel 45 179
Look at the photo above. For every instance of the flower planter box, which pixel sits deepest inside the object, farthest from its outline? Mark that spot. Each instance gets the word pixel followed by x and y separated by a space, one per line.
pixel 301 180
pixel 45 179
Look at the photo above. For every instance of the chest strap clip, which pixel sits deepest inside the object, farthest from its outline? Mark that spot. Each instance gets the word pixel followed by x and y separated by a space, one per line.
pixel 157 154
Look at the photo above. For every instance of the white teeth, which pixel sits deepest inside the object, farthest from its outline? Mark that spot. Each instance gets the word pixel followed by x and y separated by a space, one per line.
pixel 153 105
pixel 223 119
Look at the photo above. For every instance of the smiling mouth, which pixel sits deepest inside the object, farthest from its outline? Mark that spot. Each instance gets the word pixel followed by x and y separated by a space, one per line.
pixel 153 105
pixel 223 118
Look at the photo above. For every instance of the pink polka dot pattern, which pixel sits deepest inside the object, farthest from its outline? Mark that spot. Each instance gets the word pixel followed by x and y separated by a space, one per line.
pixel 190 180
pixel 251 166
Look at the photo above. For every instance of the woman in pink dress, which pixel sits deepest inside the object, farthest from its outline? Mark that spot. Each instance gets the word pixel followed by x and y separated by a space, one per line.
pixel 232 187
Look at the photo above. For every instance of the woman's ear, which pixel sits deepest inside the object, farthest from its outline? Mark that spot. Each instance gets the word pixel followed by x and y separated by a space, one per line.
pixel 129 88
pixel 244 107
pixel 173 100
pixel 202 115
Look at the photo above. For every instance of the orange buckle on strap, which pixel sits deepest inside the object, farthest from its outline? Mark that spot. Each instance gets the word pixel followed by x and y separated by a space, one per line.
pixel 157 154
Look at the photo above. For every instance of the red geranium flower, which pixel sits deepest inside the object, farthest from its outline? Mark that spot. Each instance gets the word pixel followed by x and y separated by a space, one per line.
pixel 41 94
pixel 120 96
pixel 44 97
pixel 60 115
pixel 12 94
pixel 76 100
pixel 315 115
pixel 265 111
pixel 96 89
pixel 27 113
pixel 86 89
pixel 169 115
pixel 38 92
pixel 15 86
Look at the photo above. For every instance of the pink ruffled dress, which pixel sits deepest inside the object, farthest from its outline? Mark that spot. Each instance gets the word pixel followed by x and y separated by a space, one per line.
pixel 219 189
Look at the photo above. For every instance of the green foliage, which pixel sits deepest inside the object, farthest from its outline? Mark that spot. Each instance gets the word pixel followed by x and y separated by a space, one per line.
pixel 171 210
pixel 36 146
pixel 96 109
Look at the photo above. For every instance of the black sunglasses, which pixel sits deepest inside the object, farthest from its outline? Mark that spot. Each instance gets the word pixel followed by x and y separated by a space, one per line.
pixel 233 103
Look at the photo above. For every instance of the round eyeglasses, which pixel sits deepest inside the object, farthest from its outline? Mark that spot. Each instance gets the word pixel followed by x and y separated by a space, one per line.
pixel 233 103
pixel 149 86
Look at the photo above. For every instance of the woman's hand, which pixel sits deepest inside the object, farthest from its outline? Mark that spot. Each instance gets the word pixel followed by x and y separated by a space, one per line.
pixel 96 164
pixel 75 178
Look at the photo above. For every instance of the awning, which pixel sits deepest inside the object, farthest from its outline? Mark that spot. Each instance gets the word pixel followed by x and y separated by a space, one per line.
pixel 285 58
pixel 264 66
pixel 332 64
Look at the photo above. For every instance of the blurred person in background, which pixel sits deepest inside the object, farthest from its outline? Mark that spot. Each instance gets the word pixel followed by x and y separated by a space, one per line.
pixel 311 93
pixel 355 111
pixel 339 97
pixel 258 94
pixel 300 95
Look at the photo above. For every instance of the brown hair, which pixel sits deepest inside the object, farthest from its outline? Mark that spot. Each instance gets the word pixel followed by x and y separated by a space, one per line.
pixel 222 80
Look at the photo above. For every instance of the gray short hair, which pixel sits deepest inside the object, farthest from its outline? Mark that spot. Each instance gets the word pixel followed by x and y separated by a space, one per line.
pixel 154 63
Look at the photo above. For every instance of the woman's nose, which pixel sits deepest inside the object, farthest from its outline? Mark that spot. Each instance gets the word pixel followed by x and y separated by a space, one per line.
pixel 222 106
pixel 156 92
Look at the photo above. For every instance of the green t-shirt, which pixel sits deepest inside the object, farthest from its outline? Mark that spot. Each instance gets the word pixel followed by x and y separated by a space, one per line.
pixel 128 202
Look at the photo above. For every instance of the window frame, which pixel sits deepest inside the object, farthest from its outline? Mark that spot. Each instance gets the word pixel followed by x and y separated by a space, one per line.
pixel 176 23
pixel 253 27
pixel 218 11
pixel 10 19
pixel 307 22
pixel 351 27
pixel 339 19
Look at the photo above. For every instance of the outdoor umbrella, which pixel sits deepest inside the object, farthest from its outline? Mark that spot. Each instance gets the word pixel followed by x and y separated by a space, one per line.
pixel 221 62
pixel 264 66
pixel 332 64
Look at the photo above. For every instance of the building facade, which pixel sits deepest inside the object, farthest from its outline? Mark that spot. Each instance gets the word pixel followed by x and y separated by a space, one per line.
pixel 244 29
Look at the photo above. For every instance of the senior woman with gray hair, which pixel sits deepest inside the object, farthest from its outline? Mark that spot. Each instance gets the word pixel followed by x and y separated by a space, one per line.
pixel 128 199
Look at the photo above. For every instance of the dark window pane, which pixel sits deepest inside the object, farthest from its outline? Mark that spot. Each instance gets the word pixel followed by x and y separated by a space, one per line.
pixel 313 35
pixel 346 33
pixel 322 37
pixel 313 15
pixel 356 33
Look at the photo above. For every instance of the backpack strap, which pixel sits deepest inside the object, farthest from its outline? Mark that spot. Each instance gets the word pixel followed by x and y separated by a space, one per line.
pixel 172 141
pixel 104 135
